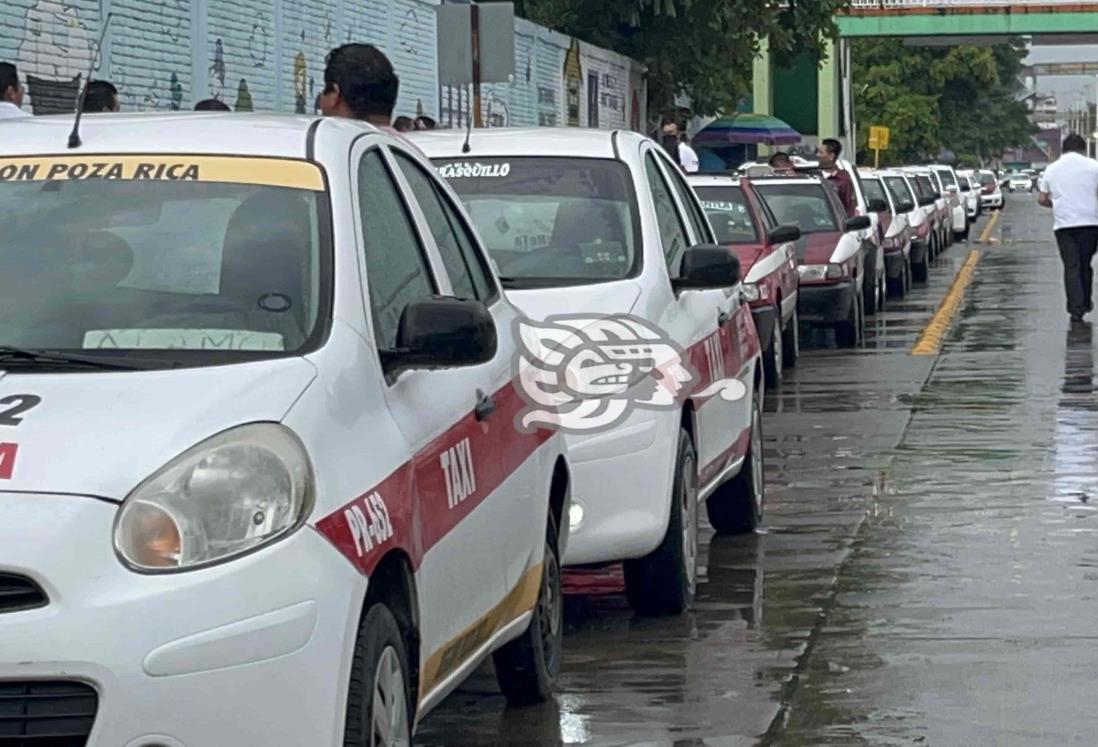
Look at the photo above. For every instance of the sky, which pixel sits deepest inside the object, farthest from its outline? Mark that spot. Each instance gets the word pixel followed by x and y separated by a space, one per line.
pixel 1067 88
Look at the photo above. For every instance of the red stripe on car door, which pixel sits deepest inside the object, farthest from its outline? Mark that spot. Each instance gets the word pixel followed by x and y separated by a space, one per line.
pixel 424 499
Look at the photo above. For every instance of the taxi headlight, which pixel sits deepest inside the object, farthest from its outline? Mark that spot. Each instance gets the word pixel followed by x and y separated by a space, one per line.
pixel 830 271
pixel 751 292
pixel 228 495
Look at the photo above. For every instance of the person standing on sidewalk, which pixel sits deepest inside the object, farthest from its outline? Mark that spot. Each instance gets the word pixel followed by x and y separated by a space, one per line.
pixel 1070 187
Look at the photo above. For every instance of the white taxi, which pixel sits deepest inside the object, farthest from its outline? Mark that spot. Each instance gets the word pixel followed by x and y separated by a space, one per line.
pixel 259 481
pixel 598 232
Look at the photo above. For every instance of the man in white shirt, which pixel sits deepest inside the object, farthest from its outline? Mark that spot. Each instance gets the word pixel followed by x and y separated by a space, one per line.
pixel 11 93
pixel 688 158
pixel 1070 188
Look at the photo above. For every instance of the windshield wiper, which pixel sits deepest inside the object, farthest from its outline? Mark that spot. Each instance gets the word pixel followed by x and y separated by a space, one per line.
pixel 15 356
pixel 545 281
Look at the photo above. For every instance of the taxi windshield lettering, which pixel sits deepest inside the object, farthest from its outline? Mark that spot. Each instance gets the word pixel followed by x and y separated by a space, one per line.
pixel 82 170
pixel 468 170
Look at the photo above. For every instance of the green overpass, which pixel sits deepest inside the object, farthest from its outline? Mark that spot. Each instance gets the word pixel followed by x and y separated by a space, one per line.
pixel 808 93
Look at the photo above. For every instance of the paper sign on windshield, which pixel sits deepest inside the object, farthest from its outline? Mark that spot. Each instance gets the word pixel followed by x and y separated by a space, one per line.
pixel 183 339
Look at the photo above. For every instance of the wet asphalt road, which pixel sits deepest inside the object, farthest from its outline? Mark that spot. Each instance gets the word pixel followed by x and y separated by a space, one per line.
pixel 928 568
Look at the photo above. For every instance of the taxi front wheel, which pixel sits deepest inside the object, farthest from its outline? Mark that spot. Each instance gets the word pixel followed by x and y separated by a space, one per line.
pixel 664 581
pixel 737 506
pixel 379 709
pixel 527 667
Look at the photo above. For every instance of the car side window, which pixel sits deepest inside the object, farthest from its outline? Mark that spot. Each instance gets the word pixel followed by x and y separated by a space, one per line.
pixel 396 271
pixel 468 275
pixel 672 231
pixel 698 222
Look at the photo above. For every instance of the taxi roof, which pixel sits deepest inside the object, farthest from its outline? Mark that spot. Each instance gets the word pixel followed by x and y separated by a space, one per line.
pixel 220 133
pixel 572 142
pixel 713 180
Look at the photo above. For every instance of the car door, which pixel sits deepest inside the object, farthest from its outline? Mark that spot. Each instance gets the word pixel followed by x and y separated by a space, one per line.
pixel 707 323
pixel 788 280
pixel 519 511
pixel 459 575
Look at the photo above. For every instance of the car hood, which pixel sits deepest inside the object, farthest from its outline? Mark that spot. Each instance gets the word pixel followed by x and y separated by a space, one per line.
pixel 817 248
pixel 102 433
pixel 618 297
pixel 748 254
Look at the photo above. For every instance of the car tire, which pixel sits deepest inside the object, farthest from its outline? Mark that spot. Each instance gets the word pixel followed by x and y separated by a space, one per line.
pixel 848 333
pixel 774 357
pixel 791 341
pixel 907 277
pixel 379 671
pixel 882 293
pixel 664 581
pixel 869 295
pixel 527 667
pixel 737 506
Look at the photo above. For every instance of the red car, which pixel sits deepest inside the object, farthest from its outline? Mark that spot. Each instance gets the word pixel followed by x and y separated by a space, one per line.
pixel 831 261
pixel 768 263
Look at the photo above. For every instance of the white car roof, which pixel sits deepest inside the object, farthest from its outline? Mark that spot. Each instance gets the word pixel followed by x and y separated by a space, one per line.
pixel 570 142
pixel 221 133
pixel 890 172
pixel 799 179
pixel 712 180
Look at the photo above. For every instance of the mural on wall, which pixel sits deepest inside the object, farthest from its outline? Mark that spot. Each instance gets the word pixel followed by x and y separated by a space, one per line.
pixel 573 83
pixel 53 56
pixel 557 80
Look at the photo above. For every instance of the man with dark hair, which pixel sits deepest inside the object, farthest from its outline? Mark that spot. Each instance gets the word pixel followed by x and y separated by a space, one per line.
pixel 781 162
pixel 11 93
pixel 686 157
pixel 212 105
pixel 1070 187
pixel 101 96
pixel 828 153
pixel 359 83
pixel 403 124
pixel 423 122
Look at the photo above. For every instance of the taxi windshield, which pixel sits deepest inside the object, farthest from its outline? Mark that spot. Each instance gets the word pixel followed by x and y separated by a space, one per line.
pixel 897 186
pixel 874 190
pixel 187 260
pixel 946 178
pixel 551 221
pixel 803 205
pixel 726 208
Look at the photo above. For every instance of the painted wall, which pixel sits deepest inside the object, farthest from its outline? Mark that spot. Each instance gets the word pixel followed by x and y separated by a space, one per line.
pixel 268 55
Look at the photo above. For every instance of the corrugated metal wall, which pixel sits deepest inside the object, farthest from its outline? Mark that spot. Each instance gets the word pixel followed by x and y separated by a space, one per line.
pixel 269 55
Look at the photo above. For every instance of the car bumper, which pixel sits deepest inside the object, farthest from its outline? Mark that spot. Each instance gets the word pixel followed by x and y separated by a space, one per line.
pixel 621 483
pixel 826 303
pixel 992 201
pixel 764 317
pixel 253 651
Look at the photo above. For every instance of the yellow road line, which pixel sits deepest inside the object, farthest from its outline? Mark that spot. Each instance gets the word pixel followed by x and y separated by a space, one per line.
pixel 990 227
pixel 930 339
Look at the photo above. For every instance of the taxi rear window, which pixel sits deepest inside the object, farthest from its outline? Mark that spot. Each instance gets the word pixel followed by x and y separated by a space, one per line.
pixel 729 214
pixel 551 221
pixel 803 205
pixel 167 254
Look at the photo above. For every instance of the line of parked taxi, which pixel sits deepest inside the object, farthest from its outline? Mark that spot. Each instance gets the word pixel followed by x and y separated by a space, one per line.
pixel 303 419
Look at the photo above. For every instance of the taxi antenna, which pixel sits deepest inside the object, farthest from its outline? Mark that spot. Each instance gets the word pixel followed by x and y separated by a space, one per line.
pixel 74 136
pixel 466 147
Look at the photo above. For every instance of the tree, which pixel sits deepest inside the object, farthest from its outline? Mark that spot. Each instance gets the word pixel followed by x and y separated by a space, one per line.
pixel 702 48
pixel 961 98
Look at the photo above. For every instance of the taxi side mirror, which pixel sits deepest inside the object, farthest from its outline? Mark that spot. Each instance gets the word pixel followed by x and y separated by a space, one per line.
pixel 784 234
pixel 905 207
pixel 857 223
pixel 707 267
pixel 927 200
pixel 877 205
pixel 442 332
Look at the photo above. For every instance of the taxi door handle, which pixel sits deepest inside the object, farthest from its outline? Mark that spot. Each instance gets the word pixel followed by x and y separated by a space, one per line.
pixel 485 407
pixel 722 318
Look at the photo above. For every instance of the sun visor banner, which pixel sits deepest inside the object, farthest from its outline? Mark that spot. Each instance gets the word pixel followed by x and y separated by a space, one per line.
pixel 269 172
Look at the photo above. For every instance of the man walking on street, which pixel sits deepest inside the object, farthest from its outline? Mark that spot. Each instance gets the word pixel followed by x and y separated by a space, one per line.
pixel 11 93
pixel 1070 188
pixel 828 153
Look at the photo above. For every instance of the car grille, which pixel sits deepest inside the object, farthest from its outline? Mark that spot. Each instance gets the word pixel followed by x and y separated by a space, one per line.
pixel 19 593
pixel 46 713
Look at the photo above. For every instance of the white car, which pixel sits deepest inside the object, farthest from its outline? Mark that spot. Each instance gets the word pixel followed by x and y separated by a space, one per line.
pixel 259 479
pixel 905 195
pixel 894 227
pixel 1020 183
pixel 991 195
pixel 947 177
pixel 970 191
pixel 586 224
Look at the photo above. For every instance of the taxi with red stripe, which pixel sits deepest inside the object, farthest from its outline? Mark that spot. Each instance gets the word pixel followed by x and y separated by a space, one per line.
pixel 260 480
pixel 600 241
pixel 768 261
